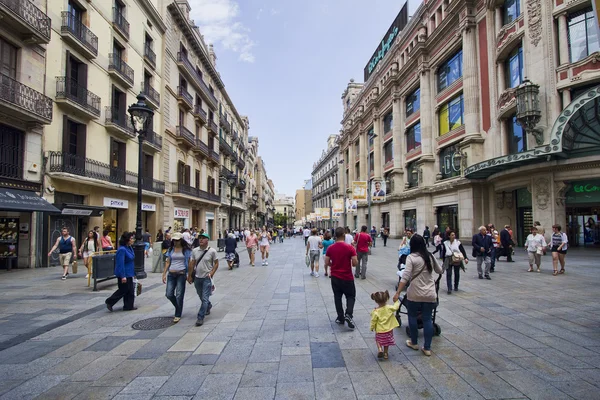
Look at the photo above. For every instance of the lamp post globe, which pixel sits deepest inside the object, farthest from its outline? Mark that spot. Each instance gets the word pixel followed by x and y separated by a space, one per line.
pixel 141 117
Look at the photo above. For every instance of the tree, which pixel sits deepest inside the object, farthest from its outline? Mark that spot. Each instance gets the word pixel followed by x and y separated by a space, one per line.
pixel 280 219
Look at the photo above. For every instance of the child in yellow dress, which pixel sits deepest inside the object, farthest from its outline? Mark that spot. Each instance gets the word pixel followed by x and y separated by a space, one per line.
pixel 383 322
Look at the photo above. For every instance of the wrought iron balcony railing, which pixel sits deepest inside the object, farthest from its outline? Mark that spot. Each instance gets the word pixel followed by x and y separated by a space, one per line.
pixel 116 63
pixel 150 55
pixel 74 26
pixel 185 95
pixel 154 139
pixel 183 59
pixel 200 113
pixel 226 147
pixel 241 163
pixel 214 156
pixel 69 89
pixel 24 97
pixel 194 192
pixel 186 134
pixel 213 127
pixel 27 12
pixel 202 147
pixel 119 118
pixel 225 124
pixel 120 22
pixel 151 93
pixel 225 172
pixel 82 166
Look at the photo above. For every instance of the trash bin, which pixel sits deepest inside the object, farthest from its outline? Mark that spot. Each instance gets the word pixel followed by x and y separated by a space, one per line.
pixel 103 268
pixel 221 244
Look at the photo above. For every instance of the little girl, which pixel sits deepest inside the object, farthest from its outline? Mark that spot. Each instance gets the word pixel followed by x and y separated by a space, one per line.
pixel 383 322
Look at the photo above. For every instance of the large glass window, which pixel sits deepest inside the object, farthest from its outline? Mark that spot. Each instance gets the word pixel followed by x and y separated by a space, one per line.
pixel 451 115
pixel 514 68
pixel 388 122
pixel 413 102
pixel 449 162
pixel 512 9
pixel 8 59
pixel 517 141
pixel 413 137
pixel 583 36
pixel 370 134
pixel 412 175
pixel 450 71
pixel 371 165
pixel 388 152
pixel 356 148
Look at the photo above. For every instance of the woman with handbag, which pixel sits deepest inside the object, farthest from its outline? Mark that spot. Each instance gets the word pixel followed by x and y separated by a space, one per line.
pixel 175 273
pixel 536 247
pixel 454 256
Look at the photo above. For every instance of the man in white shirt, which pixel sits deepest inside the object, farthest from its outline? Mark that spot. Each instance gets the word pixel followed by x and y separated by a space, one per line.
pixel 348 238
pixel 187 236
pixel 313 251
pixel 306 234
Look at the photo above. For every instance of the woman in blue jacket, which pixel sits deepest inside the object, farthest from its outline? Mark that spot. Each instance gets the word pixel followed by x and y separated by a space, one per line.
pixel 124 271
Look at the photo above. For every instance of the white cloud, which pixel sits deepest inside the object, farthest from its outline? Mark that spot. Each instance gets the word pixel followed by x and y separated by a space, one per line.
pixel 218 21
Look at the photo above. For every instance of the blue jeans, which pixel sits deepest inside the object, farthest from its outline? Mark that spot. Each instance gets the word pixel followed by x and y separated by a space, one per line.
pixel 203 288
pixel 176 291
pixel 493 257
pixel 426 310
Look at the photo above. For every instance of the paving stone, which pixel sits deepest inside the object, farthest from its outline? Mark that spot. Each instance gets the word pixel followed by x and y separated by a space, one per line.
pixel 27 371
pixel 255 393
pixel 219 387
pixel 370 383
pixel 326 355
pixel 266 352
pixel 260 374
pixel 128 347
pixel 493 361
pixel 62 391
pixel 126 372
pixel 455 357
pixel 189 341
pixel 137 396
pixel 201 359
pixel 154 348
pixel 579 390
pixel 589 375
pixel 186 381
pixel 106 344
pixel 33 387
pixel 211 348
pixel 144 385
pixel 451 386
pixel 76 346
pixel 296 324
pixel 295 369
pixel 487 383
pixel 531 386
pixel 97 368
pixel 166 364
pixel 296 339
pixel 544 369
pixel 6 384
pixel 295 391
pixel 331 383
pixel 73 364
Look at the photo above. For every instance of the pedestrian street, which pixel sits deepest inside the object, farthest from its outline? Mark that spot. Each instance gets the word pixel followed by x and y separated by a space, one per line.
pixel 271 335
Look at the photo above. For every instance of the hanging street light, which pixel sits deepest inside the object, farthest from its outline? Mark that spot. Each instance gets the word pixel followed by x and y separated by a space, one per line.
pixel 528 109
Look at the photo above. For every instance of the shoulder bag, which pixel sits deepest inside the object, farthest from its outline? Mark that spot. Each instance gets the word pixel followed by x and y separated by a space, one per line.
pixel 198 262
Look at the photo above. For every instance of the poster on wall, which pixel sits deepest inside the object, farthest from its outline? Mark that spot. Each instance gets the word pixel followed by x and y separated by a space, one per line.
pixel 359 190
pixel 313 217
pixel 377 191
pixel 338 207
pixel 351 206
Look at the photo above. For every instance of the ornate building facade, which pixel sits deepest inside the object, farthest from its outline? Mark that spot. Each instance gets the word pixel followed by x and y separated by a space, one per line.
pixel 326 177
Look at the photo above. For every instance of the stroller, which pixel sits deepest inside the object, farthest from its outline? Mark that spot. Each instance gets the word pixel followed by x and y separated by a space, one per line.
pixel 437 330
pixel 236 261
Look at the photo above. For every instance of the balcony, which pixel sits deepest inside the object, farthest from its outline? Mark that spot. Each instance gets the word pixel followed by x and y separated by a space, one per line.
pixel 236 137
pixel 184 98
pixel 23 17
pixel 241 163
pixel 225 147
pixel 241 184
pixel 152 95
pixel 213 127
pixel 81 166
pixel 225 172
pixel 185 136
pixel 190 71
pixel 200 114
pixel 225 124
pixel 116 122
pixel 77 98
pixel 120 70
pixel 182 188
pixel 78 35
pixel 202 148
pixel 23 102
pixel 153 142
pixel 149 55
pixel 215 157
pixel 120 24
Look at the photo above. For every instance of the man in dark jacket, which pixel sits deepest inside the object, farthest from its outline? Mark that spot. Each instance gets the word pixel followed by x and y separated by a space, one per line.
pixel 507 243
pixel 482 250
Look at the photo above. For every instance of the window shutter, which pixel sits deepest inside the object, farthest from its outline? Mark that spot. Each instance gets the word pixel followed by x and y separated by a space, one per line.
pixel 188 172
pixel 83 75
pixel 81 145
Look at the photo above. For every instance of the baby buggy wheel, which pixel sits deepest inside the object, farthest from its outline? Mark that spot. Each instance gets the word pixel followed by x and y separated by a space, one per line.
pixel 437 330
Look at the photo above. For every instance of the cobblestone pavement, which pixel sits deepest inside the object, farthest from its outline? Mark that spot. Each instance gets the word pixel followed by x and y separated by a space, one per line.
pixel 271 335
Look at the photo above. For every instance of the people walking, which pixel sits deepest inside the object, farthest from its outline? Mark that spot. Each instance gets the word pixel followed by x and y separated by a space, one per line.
pixel 559 244
pixel 89 247
pixel 373 235
pixel 493 234
pixel 437 241
pixel 306 234
pixel 340 258
pixel 454 256
pixel 160 236
pixel 106 241
pixel 383 322
pixel 535 245
pixel 507 244
pixel 482 250
pixel 327 241
pixel 201 270
pixel 66 248
pixel 421 294
pixel 175 273
pixel 385 234
pixel 230 246
pixel 363 243
pixel 251 245
pixel 265 239
pixel 147 239
pixel 348 238
pixel 313 251
pixel 125 272
pixel 426 235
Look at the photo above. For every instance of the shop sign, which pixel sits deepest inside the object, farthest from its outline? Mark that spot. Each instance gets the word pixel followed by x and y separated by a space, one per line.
pixel 74 211
pixel 210 215
pixel 148 207
pixel 182 213
pixel 115 203
pixel 586 188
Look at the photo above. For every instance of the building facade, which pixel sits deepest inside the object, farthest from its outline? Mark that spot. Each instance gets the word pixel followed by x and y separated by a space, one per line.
pixel 99 63
pixel 284 210
pixel 325 177
pixel 304 204
pixel 438 116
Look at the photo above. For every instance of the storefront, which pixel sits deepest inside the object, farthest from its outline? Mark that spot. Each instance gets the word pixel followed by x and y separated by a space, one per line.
pixel 582 203
pixel 181 218
pixel 210 223
pixel 115 210
pixel 148 211
pixel 448 216
pixel 410 220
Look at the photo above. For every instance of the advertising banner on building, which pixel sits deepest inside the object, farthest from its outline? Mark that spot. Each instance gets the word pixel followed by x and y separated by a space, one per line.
pixel 338 207
pixel 351 206
pixel 377 190
pixel 313 217
pixel 359 190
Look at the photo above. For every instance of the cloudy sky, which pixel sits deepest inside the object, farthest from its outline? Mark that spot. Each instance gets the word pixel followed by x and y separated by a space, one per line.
pixel 285 64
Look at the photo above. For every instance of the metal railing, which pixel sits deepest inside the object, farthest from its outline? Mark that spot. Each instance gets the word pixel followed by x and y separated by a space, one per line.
pixel 225 146
pixel 215 156
pixel 113 116
pixel 116 63
pixel 194 192
pixel 154 138
pixel 151 93
pixel 69 89
pixel 33 16
pixel 225 172
pixel 186 134
pixel 182 58
pixel 120 22
pixel 200 112
pixel 24 97
pixel 203 147
pixel 71 24
pixel 182 92
pixel 225 123
pixel 213 127
pixel 81 166
pixel 150 54
pixel 241 163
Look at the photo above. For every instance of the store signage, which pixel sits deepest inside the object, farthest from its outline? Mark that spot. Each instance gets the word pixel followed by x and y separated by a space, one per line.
pixel 115 203
pixel 210 215
pixel 182 213
pixel 387 41
pixel 75 211
pixel 586 188
pixel 148 207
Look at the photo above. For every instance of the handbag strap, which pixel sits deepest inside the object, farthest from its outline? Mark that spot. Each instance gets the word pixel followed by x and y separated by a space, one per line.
pixel 201 257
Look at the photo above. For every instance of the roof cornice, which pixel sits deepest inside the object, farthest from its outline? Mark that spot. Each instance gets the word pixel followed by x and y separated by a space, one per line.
pixel 154 14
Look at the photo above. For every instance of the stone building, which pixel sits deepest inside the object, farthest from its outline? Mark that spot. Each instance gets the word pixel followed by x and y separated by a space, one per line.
pixel 439 115
pixel 326 176
pixel 284 206
pixel 304 204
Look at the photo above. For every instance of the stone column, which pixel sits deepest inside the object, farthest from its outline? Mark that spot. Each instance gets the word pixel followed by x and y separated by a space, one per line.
pixel 363 146
pixel 470 81
pixel 498 20
pixel 501 78
pixel 563 39
pixel 351 162
pixel 427 117
pixel 377 121
pixel 566 98
pixel 398 130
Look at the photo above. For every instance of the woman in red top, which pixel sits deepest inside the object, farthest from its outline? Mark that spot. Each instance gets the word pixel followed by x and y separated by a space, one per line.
pixel 363 242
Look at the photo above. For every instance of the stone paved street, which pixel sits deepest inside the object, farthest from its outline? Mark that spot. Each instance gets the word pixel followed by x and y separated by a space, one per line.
pixel 271 335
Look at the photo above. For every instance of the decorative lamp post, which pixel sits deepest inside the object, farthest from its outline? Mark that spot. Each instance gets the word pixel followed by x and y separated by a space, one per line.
pixel 528 109
pixel 141 117
pixel 231 181
pixel 255 201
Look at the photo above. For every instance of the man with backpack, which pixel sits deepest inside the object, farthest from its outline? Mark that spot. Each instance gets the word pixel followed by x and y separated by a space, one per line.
pixel 66 248
pixel 202 267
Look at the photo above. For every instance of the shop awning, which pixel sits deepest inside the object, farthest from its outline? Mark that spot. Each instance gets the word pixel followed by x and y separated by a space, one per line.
pixel 81 210
pixel 24 200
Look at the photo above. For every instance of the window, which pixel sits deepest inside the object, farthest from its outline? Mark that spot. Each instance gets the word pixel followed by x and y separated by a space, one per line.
pixel 514 68
pixel 449 163
pixel 413 102
pixel 117 161
pixel 357 172
pixel 357 148
pixel 583 37
pixel 370 134
pixel 412 176
pixel 197 179
pixel 451 115
pixel 511 10
pixel 11 152
pixel 517 141
pixel 388 152
pixel 8 59
pixel 388 122
pixel 148 166
pixel 413 137
pixel 181 118
pixel 450 71
pixel 371 166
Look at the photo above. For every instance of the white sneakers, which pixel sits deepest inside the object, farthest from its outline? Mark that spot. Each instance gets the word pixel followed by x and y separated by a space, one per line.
pixel 315 274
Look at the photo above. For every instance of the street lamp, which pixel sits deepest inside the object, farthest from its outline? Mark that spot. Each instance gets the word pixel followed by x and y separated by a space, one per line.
pixel 255 201
pixel 528 109
pixel 341 162
pixel 141 117
pixel 231 181
pixel 373 136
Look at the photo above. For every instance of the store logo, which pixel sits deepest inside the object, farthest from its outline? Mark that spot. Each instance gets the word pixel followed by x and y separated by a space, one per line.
pixel 586 188
pixel 385 47
pixel 117 203
pixel 9 194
